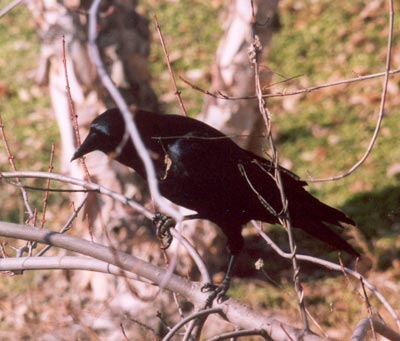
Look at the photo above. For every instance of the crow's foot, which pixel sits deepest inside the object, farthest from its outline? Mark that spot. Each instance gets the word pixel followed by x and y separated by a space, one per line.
pixel 163 225
pixel 217 291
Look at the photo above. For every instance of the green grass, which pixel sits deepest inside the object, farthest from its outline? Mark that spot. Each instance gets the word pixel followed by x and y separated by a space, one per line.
pixel 191 32
pixel 24 108
pixel 329 129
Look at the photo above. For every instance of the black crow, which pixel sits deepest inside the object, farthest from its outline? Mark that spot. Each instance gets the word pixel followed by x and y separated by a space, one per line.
pixel 200 168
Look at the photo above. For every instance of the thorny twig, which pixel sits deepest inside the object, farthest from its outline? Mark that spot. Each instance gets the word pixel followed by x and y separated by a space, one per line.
pixel 177 92
pixel 14 168
pixel 46 193
pixel 73 115
pixel 284 218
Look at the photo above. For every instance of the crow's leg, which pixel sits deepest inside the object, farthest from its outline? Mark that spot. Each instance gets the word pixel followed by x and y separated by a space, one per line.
pixel 218 291
pixel 163 225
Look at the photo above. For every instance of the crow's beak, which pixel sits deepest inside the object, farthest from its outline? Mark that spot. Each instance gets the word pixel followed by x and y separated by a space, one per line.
pixel 89 145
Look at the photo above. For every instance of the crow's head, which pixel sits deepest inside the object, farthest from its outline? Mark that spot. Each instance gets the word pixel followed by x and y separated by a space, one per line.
pixel 106 133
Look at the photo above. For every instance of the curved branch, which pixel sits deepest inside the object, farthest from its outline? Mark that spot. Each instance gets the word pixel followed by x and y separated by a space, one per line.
pixel 191 317
pixel 364 325
pixel 116 196
pixel 234 311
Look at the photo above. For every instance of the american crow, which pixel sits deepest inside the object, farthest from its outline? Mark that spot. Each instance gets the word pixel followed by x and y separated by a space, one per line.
pixel 200 168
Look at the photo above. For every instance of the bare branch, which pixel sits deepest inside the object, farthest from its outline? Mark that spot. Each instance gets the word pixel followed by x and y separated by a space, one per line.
pixel 14 168
pixel 241 333
pixel 220 95
pixel 119 197
pixel 364 325
pixel 72 114
pixel 9 7
pixel 65 263
pixel 234 311
pixel 194 316
pixel 171 72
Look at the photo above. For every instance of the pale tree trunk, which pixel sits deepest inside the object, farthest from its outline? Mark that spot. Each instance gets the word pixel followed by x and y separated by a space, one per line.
pixel 233 74
pixel 124 42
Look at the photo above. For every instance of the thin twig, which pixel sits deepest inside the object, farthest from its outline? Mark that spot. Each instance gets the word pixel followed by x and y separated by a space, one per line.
pixel 46 193
pixel 9 7
pixel 14 168
pixel 310 89
pixel 72 114
pixel 369 308
pixel 177 92
pixel 196 315
pixel 67 225
pixel 241 333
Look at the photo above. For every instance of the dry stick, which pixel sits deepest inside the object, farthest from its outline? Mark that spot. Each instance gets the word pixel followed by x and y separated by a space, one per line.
pixel 369 308
pixel 241 333
pixel 46 193
pixel 220 95
pixel 9 7
pixel 364 325
pixel 332 266
pixel 284 218
pixel 14 168
pixel 177 92
pixel 204 312
pixel 127 115
pixel 67 225
pixel 73 115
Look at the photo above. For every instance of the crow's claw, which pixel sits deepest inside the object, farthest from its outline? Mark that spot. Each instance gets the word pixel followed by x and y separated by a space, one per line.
pixel 163 225
pixel 217 292
pixel 208 287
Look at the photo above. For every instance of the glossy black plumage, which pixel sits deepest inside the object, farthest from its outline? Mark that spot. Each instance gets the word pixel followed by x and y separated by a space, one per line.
pixel 199 168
